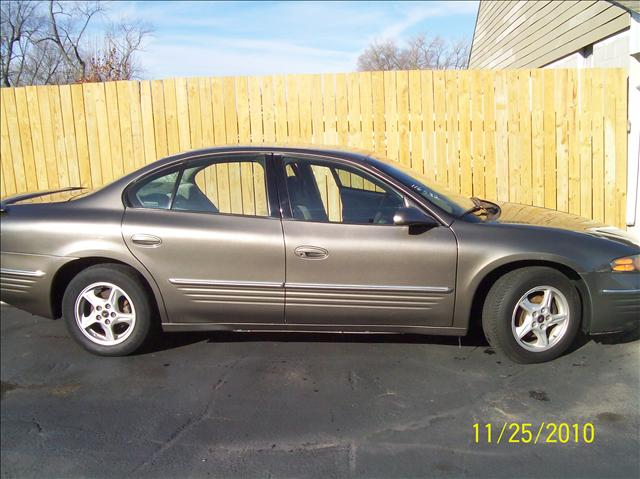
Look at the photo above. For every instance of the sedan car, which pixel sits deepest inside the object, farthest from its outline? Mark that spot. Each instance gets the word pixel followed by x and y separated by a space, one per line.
pixel 310 239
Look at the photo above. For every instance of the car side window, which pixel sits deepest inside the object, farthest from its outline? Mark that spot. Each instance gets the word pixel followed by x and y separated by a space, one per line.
pixel 324 191
pixel 231 186
pixel 157 193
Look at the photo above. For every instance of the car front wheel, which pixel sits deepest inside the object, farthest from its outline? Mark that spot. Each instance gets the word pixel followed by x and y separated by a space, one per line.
pixel 107 310
pixel 532 314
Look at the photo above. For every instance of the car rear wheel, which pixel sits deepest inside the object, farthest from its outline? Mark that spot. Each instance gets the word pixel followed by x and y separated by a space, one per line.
pixel 532 314
pixel 107 310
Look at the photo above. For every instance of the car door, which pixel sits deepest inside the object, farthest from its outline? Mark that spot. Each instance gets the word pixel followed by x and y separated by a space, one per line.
pixel 212 240
pixel 347 264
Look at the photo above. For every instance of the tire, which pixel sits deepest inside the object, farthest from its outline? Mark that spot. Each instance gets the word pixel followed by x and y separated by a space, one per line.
pixel 516 319
pixel 103 298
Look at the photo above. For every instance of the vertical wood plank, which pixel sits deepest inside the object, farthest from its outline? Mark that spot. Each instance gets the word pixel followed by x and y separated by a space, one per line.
pixel 195 115
pixel 620 79
pixel 206 114
pixel 6 155
pixel 549 125
pixel 115 138
pixel 611 212
pixel 464 135
pixel 171 116
pixel 489 80
pixel 268 111
pixel 20 169
pixel 524 114
pixel 182 107
pixel 391 115
pixel 584 140
pixel 64 137
pixel 304 101
pixel 35 133
pixel 453 152
pixel 342 109
pixel 244 117
pixel 159 118
pixel 148 134
pixel 402 98
pixel 513 125
pixel 104 139
pixel 93 141
pixel 379 130
pixel 80 127
pixel 477 92
pixel 353 101
pixel 440 110
pixel 366 110
pixel 574 151
pixel 562 140
pixel 597 143
pixel 502 136
pixel 317 110
pixel 124 117
pixel 415 121
pixel 428 124
pixel 330 124
pixel 255 110
pixel 293 108
pixel 280 105
pixel 537 132
pixel 52 155
pixel 137 135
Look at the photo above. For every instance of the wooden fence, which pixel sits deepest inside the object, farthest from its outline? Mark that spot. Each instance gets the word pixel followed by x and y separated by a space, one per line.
pixel 555 138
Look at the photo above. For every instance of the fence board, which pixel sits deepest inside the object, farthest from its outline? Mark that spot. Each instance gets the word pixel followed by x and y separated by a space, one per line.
pixel 554 138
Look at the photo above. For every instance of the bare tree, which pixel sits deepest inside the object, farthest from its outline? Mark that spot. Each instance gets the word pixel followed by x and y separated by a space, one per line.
pixel 420 53
pixel 45 43
pixel 20 24
pixel 116 60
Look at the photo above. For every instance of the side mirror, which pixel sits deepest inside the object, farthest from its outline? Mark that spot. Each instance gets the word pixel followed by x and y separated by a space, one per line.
pixel 411 216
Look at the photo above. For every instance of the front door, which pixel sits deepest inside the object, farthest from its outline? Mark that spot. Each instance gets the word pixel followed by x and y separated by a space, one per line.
pixel 206 234
pixel 347 264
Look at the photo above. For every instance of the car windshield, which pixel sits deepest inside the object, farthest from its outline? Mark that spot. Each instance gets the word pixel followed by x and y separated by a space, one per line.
pixel 449 201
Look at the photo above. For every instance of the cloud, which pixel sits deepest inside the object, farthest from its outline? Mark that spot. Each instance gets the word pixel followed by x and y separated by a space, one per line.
pixel 246 38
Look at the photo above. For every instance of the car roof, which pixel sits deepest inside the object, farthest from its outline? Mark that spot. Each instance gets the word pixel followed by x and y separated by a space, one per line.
pixel 351 153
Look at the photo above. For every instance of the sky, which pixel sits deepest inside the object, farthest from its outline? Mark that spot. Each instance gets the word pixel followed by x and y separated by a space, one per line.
pixel 199 38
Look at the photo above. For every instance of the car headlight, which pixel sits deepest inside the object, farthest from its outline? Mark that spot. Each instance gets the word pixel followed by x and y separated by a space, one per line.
pixel 626 264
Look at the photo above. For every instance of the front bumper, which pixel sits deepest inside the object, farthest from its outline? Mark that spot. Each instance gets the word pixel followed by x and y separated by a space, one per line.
pixel 615 301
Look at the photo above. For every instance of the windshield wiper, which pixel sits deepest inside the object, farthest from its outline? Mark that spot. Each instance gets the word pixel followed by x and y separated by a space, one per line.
pixel 491 210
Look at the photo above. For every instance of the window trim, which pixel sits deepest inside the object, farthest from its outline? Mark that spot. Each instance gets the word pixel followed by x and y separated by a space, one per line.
pixel 209 159
pixel 287 213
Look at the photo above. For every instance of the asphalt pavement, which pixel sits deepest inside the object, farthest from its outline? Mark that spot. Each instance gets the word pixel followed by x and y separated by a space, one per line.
pixel 300 405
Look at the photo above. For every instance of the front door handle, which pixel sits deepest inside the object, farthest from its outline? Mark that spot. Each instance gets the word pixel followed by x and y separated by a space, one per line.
pixel 311 252
pixel 149 241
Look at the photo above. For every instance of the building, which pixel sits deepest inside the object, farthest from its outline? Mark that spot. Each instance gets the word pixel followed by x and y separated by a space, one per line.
pixel 568 34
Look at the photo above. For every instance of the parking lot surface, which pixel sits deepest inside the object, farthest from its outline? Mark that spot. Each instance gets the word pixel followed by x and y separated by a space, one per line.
pixel 274 405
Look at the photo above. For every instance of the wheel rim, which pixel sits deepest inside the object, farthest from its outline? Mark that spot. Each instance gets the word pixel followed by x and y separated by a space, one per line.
pixel 540 319
pixel 105 314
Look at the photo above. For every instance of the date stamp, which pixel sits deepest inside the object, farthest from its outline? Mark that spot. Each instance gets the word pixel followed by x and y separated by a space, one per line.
pixel 527 433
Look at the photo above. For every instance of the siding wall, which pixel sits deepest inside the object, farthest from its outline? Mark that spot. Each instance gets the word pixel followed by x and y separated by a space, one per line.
pixel 519 34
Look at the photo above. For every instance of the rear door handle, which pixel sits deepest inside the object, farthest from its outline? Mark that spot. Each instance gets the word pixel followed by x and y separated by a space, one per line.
pixel 149 241
pixel 311 252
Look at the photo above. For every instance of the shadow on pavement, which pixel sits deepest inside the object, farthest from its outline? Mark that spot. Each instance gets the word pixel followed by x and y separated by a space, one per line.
pixel 475 338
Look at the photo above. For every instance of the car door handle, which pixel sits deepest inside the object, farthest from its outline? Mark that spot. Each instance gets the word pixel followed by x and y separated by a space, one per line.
pixel 311 252
pixel 149 241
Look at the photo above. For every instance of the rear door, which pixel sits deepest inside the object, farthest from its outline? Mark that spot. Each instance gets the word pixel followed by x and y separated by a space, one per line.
pixel 347 264
pixel 212 240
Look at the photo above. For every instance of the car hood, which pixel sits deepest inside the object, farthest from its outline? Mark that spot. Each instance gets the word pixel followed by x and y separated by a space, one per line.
pixel 532 215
